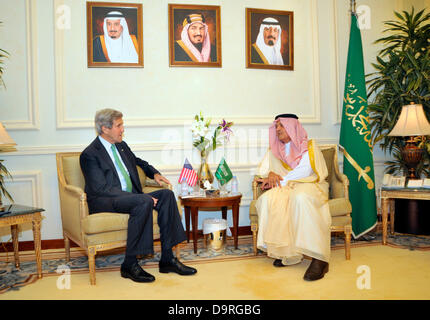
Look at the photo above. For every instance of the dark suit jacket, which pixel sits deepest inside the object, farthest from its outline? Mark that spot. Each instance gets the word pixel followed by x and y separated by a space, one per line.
pixel 101 177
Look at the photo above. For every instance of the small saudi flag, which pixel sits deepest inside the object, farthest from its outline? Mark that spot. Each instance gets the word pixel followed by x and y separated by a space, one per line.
pixel 355 139
pixel 223 172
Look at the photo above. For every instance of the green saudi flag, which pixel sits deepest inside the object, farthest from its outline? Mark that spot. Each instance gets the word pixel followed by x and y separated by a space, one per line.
pixel 223 172
pixel 355 139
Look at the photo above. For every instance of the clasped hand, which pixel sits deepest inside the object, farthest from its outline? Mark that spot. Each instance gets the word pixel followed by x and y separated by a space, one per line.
pixel 273 180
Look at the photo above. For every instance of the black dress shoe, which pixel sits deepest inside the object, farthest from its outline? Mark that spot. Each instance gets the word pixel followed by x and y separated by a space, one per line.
pixel 136 273
pixel 278 263
pixel 316 270
pixel 176 266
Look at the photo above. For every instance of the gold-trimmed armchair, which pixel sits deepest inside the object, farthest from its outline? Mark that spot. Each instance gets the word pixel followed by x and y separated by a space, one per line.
pixel 339 204
pixel 96 232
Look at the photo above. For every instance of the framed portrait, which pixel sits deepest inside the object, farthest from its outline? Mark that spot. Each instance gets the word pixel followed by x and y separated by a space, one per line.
pixel 269 39
pixel 114 34
pixel 194 36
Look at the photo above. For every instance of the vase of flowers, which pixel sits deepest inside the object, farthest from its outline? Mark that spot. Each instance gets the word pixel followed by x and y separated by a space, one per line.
pixel 204 173
pixel 205 141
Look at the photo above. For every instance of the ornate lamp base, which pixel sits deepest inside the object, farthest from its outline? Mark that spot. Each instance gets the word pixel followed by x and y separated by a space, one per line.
pixel 412 156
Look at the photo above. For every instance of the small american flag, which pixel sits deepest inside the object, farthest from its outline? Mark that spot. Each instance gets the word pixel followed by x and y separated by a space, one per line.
pixel 188 173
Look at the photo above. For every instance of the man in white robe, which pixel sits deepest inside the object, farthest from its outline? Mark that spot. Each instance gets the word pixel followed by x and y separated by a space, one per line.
pixel 267 48
pixel 116 44
pixel 294 217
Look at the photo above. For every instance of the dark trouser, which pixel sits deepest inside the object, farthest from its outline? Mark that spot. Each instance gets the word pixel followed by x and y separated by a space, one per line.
pixel 140 222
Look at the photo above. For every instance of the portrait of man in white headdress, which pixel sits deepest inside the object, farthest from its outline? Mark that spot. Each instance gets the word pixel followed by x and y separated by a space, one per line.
pixel 270 39
pixel 267 48
pixel 114 39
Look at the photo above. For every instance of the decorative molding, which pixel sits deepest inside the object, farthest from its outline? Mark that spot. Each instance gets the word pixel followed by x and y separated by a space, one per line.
pixel 34 177
pixel 59 67
pixel 32 72
pixel 64 123
pixel 316 117
pixel 142 147
pixel 335 61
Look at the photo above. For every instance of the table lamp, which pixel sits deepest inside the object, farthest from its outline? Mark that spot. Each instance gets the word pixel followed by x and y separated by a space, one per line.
pixel 6 144
pixel 412 122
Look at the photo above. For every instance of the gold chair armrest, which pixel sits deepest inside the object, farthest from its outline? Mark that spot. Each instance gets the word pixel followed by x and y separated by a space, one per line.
pixel 153 184
pixel 75 191
pixel 74 208
pixel 345 182
pixel 81 196
pixel 256 190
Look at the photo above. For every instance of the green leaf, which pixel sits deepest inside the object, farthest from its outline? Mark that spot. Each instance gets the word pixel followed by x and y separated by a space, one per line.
pixel 4 173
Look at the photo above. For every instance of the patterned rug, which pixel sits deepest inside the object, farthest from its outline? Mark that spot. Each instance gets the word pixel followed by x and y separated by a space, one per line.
pixel 404 241
pixel 12 278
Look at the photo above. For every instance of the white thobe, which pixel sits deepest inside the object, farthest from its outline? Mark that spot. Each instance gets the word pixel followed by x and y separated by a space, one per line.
pixel 294 220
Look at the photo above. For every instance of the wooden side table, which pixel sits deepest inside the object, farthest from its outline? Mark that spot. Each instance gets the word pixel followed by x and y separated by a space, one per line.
pixel 387 202
pixel 23 214
pixel 192 206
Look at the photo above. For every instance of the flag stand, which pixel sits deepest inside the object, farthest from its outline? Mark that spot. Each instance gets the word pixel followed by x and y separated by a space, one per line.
pixel 353 6
pixel 222 189
pixel 354 140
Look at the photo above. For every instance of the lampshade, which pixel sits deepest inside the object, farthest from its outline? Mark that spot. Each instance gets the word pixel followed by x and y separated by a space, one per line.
pixel 412 122
pixel 5 140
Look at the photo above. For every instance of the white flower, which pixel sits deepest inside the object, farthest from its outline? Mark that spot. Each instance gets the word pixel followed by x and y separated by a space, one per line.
pixel 199 129
pixel 203 139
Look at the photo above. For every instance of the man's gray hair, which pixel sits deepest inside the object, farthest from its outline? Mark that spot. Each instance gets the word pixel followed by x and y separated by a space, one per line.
pixel 105 118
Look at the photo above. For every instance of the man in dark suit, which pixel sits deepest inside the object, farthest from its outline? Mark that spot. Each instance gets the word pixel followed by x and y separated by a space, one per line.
pixel 112 185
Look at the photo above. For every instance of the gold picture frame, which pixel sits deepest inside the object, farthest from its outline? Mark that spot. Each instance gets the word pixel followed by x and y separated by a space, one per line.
pixel 126 20
pixel 198 48
pixel 269 39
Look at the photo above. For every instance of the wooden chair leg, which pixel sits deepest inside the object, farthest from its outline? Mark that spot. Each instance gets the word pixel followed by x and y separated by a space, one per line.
pixel 67 248
pixel 392 208
pixel 254 229
pixel 348 243
pixel 92 264
pixel 15 241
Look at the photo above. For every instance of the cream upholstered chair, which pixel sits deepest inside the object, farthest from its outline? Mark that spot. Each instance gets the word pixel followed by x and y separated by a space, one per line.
pixel 340 206
pixel 96 232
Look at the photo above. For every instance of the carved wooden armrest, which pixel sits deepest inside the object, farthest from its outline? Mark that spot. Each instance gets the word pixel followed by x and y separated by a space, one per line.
pixel 256 189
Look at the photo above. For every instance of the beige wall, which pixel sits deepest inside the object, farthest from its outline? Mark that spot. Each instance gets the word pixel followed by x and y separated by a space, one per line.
pixel 52 96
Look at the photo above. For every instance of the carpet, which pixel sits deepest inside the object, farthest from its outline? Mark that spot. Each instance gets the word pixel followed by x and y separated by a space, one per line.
pixel 12 278
pixel 404 241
